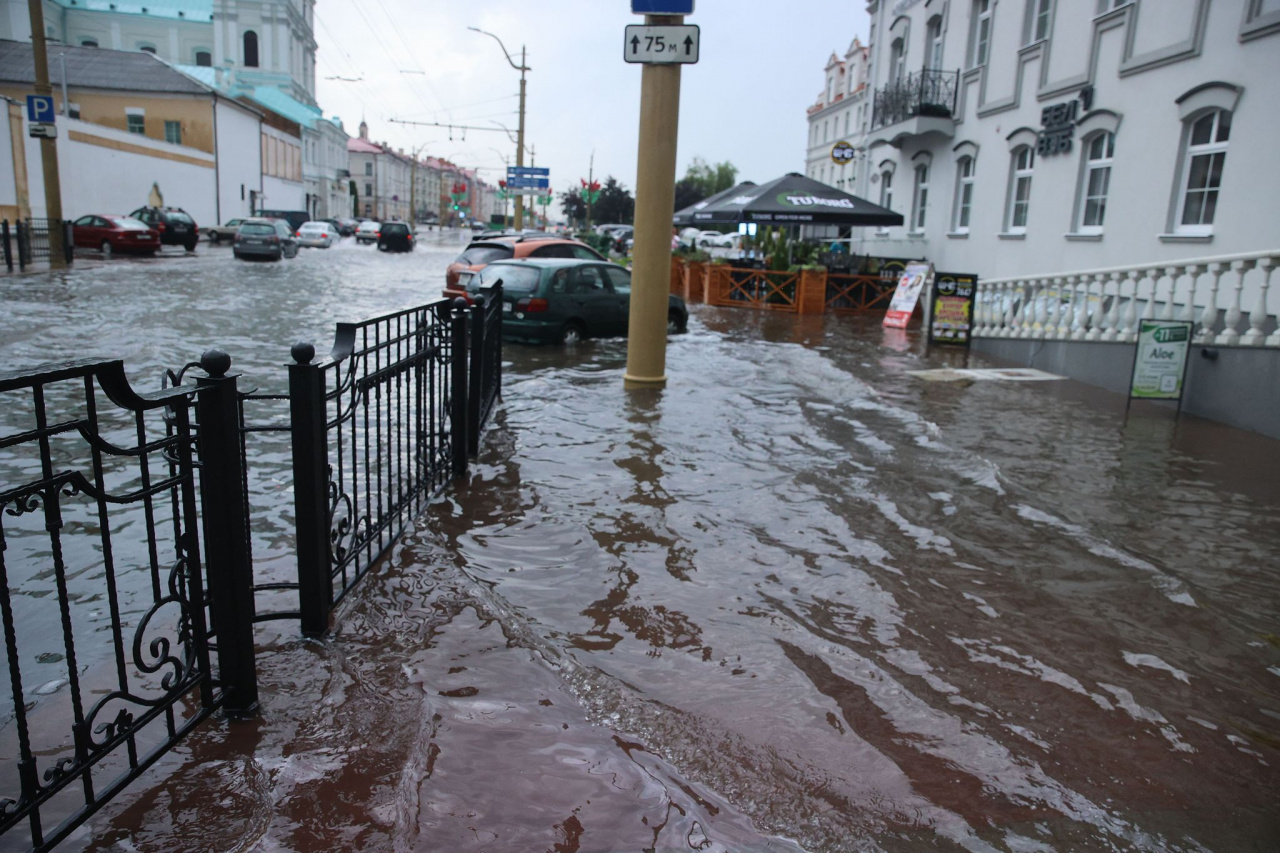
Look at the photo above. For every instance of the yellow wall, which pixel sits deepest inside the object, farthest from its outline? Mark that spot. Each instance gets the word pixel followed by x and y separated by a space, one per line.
pixel 195 113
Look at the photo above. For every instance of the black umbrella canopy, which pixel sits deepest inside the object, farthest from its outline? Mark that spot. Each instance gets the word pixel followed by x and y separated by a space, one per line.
pixel 684 216
pixel 795 199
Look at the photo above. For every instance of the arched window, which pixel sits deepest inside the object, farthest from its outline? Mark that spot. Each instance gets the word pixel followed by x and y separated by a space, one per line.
pixel 88 42
pixel 204 58
pixel 1202 171
pixel 920 198
pixel 964 195
pixel 250 49
pixel 1024 160
pixel 933 43
pixel 980 41
pixel 1096 181
pixel 897 60
pixel 147 48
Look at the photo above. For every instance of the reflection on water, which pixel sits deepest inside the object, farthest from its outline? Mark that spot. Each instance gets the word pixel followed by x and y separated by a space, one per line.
pixel 795 600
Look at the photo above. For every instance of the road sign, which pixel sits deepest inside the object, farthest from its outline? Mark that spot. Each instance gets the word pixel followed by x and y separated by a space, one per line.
pixel 43 130
pixel 528 172
pixel 662 7
pixel 531 182
pixel 661 45
pixel 40 109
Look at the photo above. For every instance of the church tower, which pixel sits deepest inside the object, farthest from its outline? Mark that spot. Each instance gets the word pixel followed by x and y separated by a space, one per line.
pixel 267 43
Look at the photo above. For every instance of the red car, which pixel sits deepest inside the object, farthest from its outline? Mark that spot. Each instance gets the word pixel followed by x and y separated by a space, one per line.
pixel 112 233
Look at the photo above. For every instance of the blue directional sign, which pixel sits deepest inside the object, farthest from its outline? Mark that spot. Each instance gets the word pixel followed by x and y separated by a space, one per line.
pixel 531 182
pixel 528 172
pixel 40 109
pixel 662 7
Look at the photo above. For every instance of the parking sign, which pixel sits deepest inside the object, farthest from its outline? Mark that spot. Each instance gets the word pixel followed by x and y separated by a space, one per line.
pixel 40 109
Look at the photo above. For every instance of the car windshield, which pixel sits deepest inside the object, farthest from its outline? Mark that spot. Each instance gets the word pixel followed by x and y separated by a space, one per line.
pixel 395 228
pixel 484 254
pixel 180 217
pixel 368 226
pixel 257 228
pixel 515 278
pixel 315 226
pixel 128 223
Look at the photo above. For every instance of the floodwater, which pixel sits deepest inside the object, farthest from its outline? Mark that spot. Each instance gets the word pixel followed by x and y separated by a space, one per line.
pixel 797 600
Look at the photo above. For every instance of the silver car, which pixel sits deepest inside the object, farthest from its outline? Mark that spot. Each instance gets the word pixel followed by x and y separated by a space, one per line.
pixel 267 239
pixel 317 235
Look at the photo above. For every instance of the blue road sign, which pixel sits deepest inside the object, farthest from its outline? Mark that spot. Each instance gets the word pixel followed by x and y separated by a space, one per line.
pixel 40 109
pixel 528 172
pixel 662 7
pixel 528 183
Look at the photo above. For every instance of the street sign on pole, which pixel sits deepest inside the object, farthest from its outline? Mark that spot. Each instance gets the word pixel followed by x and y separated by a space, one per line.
pixel 43 131
pixel 662 7
pixel 40 109
pixel 528 172
pixel 661 45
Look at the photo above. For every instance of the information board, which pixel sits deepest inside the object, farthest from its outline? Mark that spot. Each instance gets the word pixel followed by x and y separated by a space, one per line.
pixel 951 317
pixel 1160 363
pixel 914 279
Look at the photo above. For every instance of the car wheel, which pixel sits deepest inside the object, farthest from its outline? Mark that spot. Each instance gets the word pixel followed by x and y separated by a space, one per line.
pixel 106 248
pixel 190 245
pixel 235 254
pixel 214 238
pixel 675 323
pixel 572 333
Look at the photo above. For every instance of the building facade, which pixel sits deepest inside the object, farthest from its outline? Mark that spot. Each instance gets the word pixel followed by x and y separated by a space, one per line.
pixel 840 115
pixel 1023 137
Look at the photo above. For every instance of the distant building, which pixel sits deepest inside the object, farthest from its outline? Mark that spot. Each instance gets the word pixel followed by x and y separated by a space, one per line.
pixel 840 115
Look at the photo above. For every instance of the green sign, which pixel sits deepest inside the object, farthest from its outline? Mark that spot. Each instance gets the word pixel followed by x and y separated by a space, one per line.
pixel 1160 364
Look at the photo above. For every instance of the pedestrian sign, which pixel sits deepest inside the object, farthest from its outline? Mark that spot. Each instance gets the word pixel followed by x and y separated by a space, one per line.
pixel 40 109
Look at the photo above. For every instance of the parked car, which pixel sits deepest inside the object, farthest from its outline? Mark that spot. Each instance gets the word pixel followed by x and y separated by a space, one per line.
pixel 225 231
pixel 174 225
pixel 622 238
pixel 707 239
pixel 482 252
pixel 557 300
pixel 270 239
pixel 114 234
pixel 346 226
pixel 318 235
pixel 395 237
pixel 367 232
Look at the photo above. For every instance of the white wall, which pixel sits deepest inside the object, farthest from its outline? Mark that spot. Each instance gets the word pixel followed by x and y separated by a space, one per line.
pixel 96 179
pixel 239 159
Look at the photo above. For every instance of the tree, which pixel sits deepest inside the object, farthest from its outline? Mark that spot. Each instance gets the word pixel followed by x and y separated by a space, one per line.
pixel 702 179
pixel 616 203
pixel 575 209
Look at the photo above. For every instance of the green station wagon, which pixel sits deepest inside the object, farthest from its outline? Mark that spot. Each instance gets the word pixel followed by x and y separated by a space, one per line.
pixel 559 300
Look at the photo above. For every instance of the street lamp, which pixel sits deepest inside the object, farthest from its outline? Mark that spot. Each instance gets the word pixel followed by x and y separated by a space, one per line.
pixel 522 68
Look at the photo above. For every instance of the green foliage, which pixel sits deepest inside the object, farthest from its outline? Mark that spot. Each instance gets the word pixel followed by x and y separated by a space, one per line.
pixel 574 208
pixel 702 179
pixel 615 205
pixel 781 253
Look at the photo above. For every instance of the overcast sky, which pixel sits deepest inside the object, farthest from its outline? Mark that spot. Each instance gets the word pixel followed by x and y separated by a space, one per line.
pixel 761 66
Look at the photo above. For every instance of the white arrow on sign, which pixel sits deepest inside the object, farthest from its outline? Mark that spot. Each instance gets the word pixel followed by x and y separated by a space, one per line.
pixel 661 45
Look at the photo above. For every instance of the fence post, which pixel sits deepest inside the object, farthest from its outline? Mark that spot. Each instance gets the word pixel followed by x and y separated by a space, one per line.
pixel 8 250
pixel 458 385
pixel 24 243
pixel 307 419
pixel 68 241
pixel 475 395
pixel 225 511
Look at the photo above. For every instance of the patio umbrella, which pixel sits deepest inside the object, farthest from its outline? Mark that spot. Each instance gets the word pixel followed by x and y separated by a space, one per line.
pixel 793 199
pixel 684 216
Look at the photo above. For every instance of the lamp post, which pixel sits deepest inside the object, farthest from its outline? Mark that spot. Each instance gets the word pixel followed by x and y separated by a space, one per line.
pixel 522 68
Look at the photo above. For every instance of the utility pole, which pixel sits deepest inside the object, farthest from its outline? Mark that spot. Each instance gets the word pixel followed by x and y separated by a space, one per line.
pixel 48 147
pixel 655 199
pixel 520 142
pixel 591 179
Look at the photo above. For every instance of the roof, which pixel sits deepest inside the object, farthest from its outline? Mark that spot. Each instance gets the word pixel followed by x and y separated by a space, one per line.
pixel 285 105
pixel 96 68
pixel 356 145
pixel 200 11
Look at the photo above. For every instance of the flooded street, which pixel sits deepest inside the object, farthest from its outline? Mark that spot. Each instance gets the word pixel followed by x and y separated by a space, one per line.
pixel 796 600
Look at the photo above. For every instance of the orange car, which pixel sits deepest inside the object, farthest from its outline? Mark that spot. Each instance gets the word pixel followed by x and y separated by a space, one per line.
pixel 514 247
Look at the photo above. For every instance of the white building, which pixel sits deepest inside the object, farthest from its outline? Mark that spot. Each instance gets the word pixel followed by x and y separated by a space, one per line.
pixel 1024 137
pixel 840 115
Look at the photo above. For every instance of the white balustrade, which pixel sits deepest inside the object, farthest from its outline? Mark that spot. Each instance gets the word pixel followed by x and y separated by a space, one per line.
pixel 1188 314
pixel 1129 332
pixel 1231 323
pixel 1258 316
pixel 1209 319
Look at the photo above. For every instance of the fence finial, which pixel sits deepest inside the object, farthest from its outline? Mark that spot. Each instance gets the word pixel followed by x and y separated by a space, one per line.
pixel 303 352
pixel 215 362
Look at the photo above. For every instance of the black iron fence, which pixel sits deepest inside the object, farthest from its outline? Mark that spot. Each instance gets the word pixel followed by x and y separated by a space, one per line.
pixel 928 92
pixel 127 589
pixel 26 241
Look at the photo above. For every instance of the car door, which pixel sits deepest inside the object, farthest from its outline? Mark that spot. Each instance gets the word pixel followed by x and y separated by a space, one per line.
pixel 594 300
pixel 620 280
pixel 82 232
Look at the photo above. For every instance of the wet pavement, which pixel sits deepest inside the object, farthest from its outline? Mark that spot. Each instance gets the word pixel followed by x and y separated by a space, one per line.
pixel 796 600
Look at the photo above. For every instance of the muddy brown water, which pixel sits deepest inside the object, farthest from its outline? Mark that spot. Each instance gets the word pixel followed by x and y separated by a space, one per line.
pixel 796 600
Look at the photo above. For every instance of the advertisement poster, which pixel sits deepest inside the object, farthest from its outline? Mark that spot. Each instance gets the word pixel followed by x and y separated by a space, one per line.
pixel 914 279
pixel 1160 364
pixel 952 316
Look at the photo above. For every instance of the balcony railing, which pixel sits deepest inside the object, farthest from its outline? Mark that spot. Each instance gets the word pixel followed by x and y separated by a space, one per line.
pixel 928 92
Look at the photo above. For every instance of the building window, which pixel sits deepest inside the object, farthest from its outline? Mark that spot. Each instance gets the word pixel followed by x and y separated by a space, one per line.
pixel 204 58
pixel 88 42
pixel 1202 172
pixel 897 60
pixel 1098 153
pixel 886 191
pixel 920 198
pixel 1041 15
pixel 1024 160
pixel 368 167
pixel 250 49
pixel 933 43
pixel 368 189
pixel 136 123
pixel 846 124
pixel 147 48
pixel 964 195
pixel 173 132
pixel 981 32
